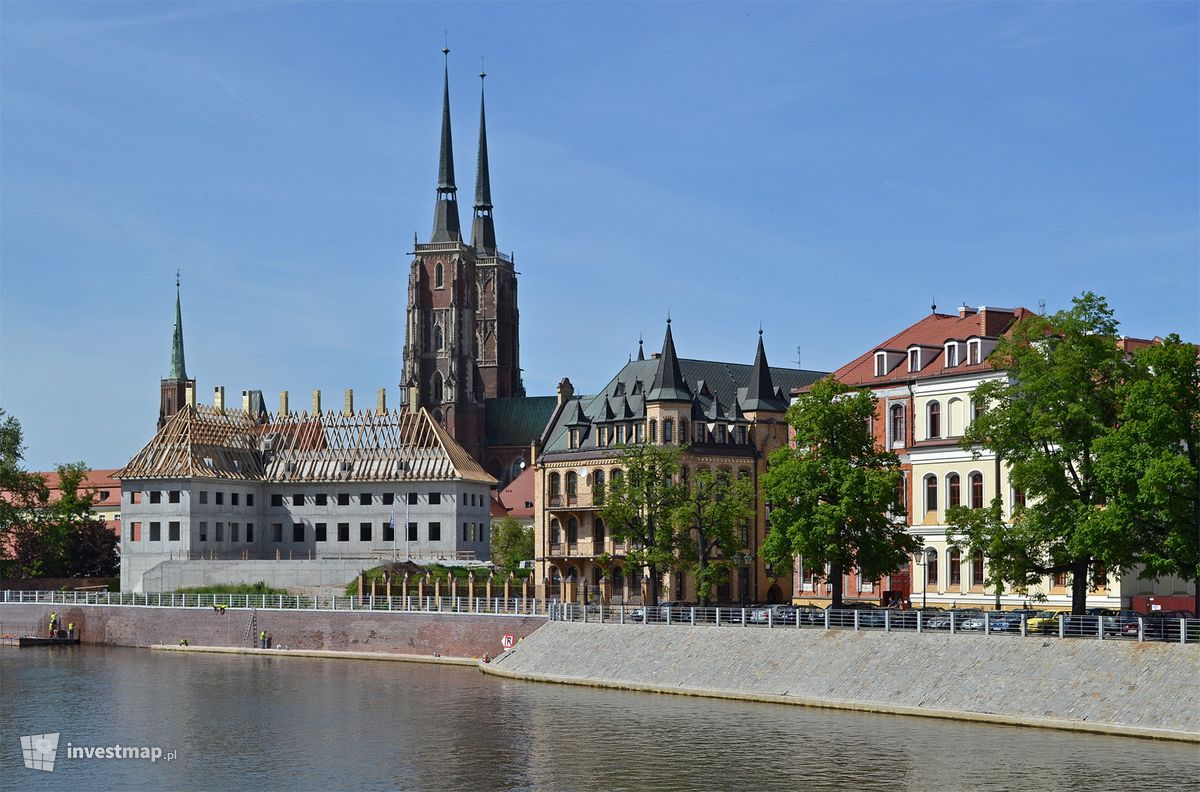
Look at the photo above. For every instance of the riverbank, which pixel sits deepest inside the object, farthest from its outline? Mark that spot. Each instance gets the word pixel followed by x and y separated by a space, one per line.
pixel 323 654
pixel 1108 687
pixel 421 634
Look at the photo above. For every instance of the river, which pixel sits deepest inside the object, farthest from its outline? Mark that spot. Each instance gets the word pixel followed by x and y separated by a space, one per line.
pixel 250 722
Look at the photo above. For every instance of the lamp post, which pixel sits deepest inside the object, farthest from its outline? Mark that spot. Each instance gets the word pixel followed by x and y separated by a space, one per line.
pixel 742 561
pixel 924 576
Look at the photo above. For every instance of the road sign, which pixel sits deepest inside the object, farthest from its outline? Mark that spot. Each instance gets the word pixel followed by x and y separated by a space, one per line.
pixel 508 641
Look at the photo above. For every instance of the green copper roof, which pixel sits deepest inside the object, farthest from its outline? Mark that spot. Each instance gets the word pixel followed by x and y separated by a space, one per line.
pixel 178 369
pixel 669 384
pixel 517 420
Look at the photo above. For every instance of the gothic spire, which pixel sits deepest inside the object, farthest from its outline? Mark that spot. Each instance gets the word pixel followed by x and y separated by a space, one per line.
pixel 178 369
pixel 760 389
pixel 483 232
pixel 669 384
pixel 445 213
pixel 641 352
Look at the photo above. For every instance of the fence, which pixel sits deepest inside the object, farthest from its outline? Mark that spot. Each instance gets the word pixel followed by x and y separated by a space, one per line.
pixel 513 606
pixel 988 623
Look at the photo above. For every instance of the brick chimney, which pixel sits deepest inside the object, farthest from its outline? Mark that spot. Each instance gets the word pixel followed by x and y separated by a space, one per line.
pixel 993 321
pixel 283 403
pixel 316 402
pixel 189 397
pixel 964 311
pixel 566 391
pixel 381 401
pixel 349 408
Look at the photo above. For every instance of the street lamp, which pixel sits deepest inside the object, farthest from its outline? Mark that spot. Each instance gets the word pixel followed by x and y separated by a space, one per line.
pixel 924 562
pixel 742 561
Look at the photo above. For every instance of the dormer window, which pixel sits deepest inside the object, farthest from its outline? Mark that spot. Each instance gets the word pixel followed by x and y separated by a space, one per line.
pixel 914 359
pixel 880 364
pixel 951 355
pixel 973 352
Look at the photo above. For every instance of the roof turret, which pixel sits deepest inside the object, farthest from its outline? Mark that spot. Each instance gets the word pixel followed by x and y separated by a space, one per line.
pixel 669 384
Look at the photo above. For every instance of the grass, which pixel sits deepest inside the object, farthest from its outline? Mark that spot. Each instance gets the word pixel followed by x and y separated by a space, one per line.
pixel 233 588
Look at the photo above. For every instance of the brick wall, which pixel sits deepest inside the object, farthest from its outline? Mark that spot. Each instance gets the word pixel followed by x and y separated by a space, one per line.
pixel 359 631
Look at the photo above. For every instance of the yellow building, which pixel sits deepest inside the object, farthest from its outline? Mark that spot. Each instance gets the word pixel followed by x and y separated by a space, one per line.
pixel 724 416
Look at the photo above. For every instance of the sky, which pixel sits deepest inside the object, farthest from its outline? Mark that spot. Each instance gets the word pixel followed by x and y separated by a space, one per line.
pixel 825 170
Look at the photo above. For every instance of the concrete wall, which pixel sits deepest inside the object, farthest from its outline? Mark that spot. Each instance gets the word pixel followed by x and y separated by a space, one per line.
pixel 173 575
pixel 1115 686
pixel 452 635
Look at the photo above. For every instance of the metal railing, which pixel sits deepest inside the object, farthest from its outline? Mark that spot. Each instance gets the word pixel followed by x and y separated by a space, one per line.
pixel 512 606
pixel 988 623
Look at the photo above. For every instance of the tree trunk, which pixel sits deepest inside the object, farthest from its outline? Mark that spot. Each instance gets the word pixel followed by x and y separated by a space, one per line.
pixel 701 563
pixel 653 584
pixel 835 574
pixel 1079 586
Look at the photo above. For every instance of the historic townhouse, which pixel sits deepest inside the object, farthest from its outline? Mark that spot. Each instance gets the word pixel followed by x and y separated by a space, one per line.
pixel 924 377
pixel 725 416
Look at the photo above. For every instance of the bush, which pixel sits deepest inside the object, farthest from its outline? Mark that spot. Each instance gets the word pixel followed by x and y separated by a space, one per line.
pixel 232 588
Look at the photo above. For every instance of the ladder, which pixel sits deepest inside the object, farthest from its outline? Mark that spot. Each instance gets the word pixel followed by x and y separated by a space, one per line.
pixel 250 632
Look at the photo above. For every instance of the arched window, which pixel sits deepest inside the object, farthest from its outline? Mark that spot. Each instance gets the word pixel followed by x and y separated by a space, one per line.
pixel 953 416
pixel 597 573
pixel 931 567
pixel 902 493
pixel 572 483
pixel 518 465
pixel 439 276
pixel 954 562
pixel 616 476
pixel 977 569
pixel 952 490
pixel 897 423
pixel 555 485
pixel 439 338
pixel 598 531
pixel 436 390
pixel 572 530
pixel 598 486
pixel 555 535
pixel 976 480
pixel 653 431
pixel 668 431
pixel 935 419
pixel 930 494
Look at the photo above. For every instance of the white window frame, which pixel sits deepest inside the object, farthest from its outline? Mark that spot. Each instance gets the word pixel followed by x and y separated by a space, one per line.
pixel 914 359
pixel 951 354
pixel 881 366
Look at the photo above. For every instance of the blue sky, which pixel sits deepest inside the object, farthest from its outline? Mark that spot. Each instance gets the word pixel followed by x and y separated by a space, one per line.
pixel 824 169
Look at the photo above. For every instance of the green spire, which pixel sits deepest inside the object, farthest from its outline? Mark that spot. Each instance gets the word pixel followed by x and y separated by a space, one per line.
pixel 178 369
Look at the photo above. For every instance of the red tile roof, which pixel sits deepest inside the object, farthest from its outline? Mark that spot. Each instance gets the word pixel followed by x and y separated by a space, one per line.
pixel 932 333
pixel 100 480
pixel 517 494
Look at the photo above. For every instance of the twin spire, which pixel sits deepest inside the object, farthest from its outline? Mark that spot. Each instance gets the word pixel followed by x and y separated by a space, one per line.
pixel 446 226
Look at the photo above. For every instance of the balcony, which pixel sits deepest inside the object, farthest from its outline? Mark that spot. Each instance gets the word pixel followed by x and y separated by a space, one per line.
pixel 573 501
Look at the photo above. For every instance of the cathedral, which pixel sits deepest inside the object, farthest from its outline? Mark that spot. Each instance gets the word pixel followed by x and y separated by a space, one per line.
pixel 462 353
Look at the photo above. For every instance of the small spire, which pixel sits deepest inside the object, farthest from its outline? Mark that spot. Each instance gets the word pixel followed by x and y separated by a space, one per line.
pixel 641 352
pixel 669 384
pixel 178 368
pixel 760 389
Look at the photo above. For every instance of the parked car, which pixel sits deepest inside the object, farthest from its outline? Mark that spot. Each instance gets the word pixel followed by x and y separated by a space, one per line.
pixel 844 616
pixel 811 614
pixel 942 620
pixel 1165 626
pixel 1044 622
pixel 772 614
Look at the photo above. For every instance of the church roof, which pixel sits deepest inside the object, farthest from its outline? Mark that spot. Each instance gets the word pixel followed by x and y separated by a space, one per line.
pixel 517 420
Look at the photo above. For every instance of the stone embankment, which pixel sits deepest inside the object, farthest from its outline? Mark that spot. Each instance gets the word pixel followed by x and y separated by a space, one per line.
pixel 1113 687
pixel 428 634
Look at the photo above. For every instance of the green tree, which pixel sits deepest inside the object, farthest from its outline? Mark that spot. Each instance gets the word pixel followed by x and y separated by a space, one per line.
pixel 1062 395
pixel 1150 464
pixel 639 506
pixel 713 509
pixel 512 543
pixel 834 496
pixel 20 491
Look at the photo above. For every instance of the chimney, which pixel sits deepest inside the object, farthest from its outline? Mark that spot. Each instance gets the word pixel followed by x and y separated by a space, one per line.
pixel 655 355
pixel 245 402
pixel 219 398
pixel 283 403
pixel 189 395
pixel 993 321
pixel 316 402
pixel 964 311
pixel 566 391
pixel 381 401
pixel 349 408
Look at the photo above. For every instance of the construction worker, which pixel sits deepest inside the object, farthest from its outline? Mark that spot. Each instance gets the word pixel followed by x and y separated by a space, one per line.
pixel 262 639
pixel 71 631
pixel 53 622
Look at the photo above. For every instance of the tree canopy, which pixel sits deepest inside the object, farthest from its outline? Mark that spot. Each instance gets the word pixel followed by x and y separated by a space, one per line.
pixel 512 543
pixel 714 509
pixel 834 497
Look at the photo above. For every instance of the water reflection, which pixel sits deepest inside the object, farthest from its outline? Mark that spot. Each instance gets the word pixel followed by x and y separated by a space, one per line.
pixel 252 722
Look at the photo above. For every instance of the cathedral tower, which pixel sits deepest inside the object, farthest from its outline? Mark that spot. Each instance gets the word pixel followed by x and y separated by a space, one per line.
pixel 440 350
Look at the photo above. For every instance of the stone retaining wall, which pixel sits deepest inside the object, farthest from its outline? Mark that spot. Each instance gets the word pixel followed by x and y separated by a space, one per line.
pixel 1119 687
pixel 457 635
